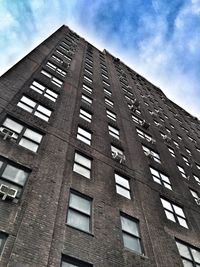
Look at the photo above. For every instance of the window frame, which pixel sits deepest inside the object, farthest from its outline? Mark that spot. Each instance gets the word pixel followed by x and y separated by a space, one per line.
pixel 118 184
pixel 80 136
pixel 75 162
pixel 84 116
pixel 44 91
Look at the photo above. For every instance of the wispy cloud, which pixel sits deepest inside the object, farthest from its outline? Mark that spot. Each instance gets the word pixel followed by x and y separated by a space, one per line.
pixel 160 39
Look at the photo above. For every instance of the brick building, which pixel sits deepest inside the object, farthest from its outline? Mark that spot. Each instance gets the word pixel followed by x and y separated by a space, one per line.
pixel 98 167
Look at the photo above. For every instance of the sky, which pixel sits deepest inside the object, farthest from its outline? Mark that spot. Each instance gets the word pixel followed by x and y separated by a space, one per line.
pixel 159 39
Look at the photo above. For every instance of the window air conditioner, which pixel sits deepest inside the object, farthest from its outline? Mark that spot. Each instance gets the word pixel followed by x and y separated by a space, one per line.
pixel 167 138
pixel 119 157
pixel 129 87
pixel 145 124
pixel 66 64
pixel 136 102
pixel 7 134
pixel 7 191
pixel 148 154
pixel 198 201
pixel 132 107
pixel 152 141
pixel 188 177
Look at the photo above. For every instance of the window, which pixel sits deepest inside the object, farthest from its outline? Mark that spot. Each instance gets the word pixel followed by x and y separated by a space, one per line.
pixel 34 108
pixel 87 88
pixel 107 92
pixel 82 165
pixel 113 131
pixel 111 115
pixel 144 135
pixel 122 186
pixel 23 135
pixel 88 60
pixel 57 59
pixel 3 238
pixel 179 137
pixel 88 71
pixel 88 65
pixel 104 76
pixel 197 179
pixel 53 79
pixel 171 151
pixel 63 55
pixel 79 212
pixel 86 99
pixel 85 115
pixel 137 120
pixel 84 136
pixel 71 262
pixel 168 130
pixel 56 69
pixel 160 178
pixel 190 255
pixel 87 79
pixel 41 89
pixel 131 235
pixel 186 160
pixel 196 196
pixel 13 175
pixel 182 171
pixel 172 126
pixel 188 151
pixel 191 139
pixel 198 166
pixel 174 213
pixel 150 153
pixel 105 83
pixel 176 144
pixel 197 149
pixel 109 102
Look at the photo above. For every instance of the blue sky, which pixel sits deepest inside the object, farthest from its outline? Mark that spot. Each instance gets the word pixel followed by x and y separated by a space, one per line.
pixel 160 39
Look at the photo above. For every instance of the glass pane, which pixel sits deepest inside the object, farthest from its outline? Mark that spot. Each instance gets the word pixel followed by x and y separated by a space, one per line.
pixel 83 139
pixel 122 181
pixel 170 216
pixel 156 180
pixel 1 163
pixel 46 73
pixel 85 113
pixel 81 170
pixel 28 144
pixel 15 174
pixel 79 203
pixel 182 222
pixel 116 150
pixel 33 135
pixel 165 178
pixel 166 204
pixel 51 93
pixel 187 263
pixel 85 118
pixel 124 192
pixel 78 220
pixel 132 243
pixel 41 116
pixel 25 107
pixel 114 130
pixel 28 101
pixel 13 125
pixel 168 186
pixel 178 211
pixel 196 255
pixel 129 226
pixel 83 160
pixel 44 110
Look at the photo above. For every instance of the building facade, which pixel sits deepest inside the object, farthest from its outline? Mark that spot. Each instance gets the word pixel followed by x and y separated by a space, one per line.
pixel 98 167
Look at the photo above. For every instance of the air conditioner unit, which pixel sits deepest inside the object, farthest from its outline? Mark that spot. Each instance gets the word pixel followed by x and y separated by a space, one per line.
pixel 153 114
pixel 136 102
pixel 187 177
pixel 148 154
pixel 197 201
pixel 145 124
pixel 66 64
pixel 167 138
pixel 132 107
pixel 119 157
pixel 7 191
pixel 7 134
pixel 152 140
pixel 128 87
pixel 159 125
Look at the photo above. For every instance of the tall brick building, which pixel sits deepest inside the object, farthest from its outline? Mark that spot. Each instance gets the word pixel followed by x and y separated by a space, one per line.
pixel 98 167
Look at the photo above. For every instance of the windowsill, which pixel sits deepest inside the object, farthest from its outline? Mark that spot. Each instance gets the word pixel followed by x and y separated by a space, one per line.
pixel 91 234
pixel 136 253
